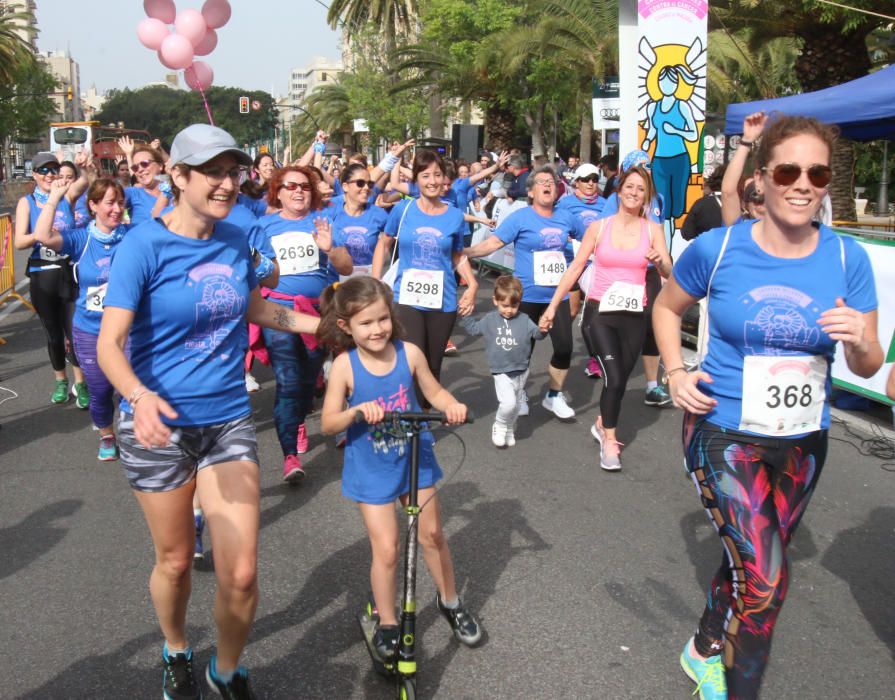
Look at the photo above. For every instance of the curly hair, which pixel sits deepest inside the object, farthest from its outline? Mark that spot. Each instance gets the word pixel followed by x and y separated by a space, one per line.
pixel 279 175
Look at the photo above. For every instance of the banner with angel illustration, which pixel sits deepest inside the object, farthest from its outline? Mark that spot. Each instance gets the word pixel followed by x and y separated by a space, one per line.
pixel 671 95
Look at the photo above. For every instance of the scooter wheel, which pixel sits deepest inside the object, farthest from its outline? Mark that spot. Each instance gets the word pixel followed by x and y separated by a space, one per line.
pixel 407 689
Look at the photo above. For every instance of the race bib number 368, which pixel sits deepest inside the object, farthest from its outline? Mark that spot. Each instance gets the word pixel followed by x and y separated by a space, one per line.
pixel 783 395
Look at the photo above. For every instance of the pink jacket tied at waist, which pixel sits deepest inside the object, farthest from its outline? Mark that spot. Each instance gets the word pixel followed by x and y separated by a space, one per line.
pixel 305 305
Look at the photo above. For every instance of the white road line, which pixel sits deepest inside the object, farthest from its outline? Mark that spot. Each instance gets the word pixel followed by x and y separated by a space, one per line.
pixel 15 303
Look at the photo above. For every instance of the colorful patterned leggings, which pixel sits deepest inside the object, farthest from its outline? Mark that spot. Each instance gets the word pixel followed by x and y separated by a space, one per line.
pixel 755 491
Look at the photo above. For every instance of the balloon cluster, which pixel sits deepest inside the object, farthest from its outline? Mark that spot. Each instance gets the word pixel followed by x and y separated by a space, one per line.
pixel 194 35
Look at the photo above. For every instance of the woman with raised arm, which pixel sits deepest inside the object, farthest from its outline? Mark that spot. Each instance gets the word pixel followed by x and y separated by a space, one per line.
pixel 150 194
pixel 181 288
pixel 781 293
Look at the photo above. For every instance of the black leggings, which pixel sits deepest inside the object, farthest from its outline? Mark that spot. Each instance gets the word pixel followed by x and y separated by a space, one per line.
pixel 615 339
pixel 52 297
pixel 653 287
pixel 755 491
pixel 560 333
pixel 429 331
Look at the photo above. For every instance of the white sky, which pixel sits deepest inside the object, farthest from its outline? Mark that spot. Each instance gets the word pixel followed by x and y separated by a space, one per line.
pixel 257 48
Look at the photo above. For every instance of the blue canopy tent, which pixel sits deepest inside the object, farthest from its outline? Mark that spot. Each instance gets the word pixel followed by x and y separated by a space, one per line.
pixel 863 109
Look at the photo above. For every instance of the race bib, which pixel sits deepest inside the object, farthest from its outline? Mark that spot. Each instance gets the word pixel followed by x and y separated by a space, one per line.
pixel 96 298
pixel 422 288
pixel 549 266
pixel 783 394
pixel 358 271
pixel 48 254
pixel 623 296
pixel 297 252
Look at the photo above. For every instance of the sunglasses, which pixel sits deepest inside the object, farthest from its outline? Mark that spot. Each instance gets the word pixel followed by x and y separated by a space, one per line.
pixel 589 178
pixel 47 169
pixel 137 167
pixel 786 174
pixel 292 186
pixel 360 184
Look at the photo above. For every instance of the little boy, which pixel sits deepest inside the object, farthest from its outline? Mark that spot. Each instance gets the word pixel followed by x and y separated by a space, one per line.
pixel 508 345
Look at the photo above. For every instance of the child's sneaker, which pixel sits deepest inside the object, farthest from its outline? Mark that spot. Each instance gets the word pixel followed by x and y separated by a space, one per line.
pixel 466 628
pixel 592 369
pixel 708 674
pixel 450 350
pixel 385 641
pixel 108 449
pixel 292 470
pixel 510 436
pixel 199 550
pixel 179 682
pixel 499 435
pixel 237 688
pixel 301 443
pixel 523 406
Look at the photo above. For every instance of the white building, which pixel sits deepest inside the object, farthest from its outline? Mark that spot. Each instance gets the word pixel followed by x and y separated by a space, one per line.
pixel 27 30
pixel 68 95
pixel 303 81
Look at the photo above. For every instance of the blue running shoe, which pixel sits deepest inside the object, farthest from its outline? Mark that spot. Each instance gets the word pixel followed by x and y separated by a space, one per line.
pixel 199 552
pixel 707 674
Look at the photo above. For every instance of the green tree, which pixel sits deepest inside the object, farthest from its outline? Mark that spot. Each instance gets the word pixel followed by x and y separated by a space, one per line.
pixel 390 16
pixel 26 110
pixel 14 51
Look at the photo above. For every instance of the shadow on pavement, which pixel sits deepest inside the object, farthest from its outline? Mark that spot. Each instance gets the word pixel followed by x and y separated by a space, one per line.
pixel 34 536
pixel 862 557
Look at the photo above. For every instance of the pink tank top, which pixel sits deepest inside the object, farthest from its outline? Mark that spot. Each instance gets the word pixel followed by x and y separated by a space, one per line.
pixel 614 265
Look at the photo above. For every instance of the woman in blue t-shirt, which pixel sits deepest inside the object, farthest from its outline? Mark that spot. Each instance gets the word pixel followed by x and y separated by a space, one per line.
pixel 429 234
pixel 781 294
pixel 540 234
pixel 182 287
pixel 91 248
pixel 357 222
pixel 301 237
pixel 149 195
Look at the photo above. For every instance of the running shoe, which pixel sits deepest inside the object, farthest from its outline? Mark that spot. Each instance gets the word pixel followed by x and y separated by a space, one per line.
pixel 60 395
pixel 707 674
pixel 237 688
pixel 466 628
pixel 292 470
pixel 301 444
pixel 557 406
pixel 385 641
pixel 523 406
pixel 499 435
pixel 179 681
pixel 199 551
pixel 450 350
pixel 592 369
pixel 252 384
pixel 510 436
pixel 82 396
pixel 609 449
pixel 108 449
pixel 657 397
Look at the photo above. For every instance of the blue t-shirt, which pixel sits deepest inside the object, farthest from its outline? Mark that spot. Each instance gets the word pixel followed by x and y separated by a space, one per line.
pixel 139 204
pixel 303 266
pixel 82 211
pixel 92 264
pixel 586 213
pixel 189 297
pixel 761 305
pixel 358 234
pixel 257 206
pixel 530 232
pixel 428 243
pixel 42 257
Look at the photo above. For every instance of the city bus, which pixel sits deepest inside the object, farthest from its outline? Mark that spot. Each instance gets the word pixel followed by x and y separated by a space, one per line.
pixel 73 137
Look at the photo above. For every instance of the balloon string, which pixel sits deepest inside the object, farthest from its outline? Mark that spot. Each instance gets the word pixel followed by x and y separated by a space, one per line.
pixel 202 92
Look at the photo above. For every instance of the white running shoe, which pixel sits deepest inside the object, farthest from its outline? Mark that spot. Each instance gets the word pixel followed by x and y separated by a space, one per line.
pixel 499 435
pixel 510 436
pixel 252 384
pixel 557 406
pixel 523 407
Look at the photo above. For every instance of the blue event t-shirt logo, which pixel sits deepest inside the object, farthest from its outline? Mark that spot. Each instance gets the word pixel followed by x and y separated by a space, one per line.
pixel 356 241
pixel 218 306
pixel 780 321
pixel 426 249
pixel 553 238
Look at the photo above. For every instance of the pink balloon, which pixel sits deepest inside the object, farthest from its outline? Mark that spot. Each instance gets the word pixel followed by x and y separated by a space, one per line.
pixel 191 24
pixel 152 32
pixel 208 43
pixel 162 10
pixel 199 75
pixel 216 13
pixel 176 52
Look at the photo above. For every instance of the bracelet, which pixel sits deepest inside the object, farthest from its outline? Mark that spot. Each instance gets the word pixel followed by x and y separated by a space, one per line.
pixel 744 142
pixel 669 372
pixel 138 394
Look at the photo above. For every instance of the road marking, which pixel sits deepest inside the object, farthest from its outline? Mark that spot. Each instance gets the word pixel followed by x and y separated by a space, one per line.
pixel 15 303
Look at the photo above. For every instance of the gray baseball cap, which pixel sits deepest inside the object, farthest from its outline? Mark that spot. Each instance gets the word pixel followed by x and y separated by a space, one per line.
pixel 43 158
pixel 199 143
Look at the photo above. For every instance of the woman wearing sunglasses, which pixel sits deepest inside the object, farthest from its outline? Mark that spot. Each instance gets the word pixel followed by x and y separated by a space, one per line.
pixel 301 237
pixel 53 289
pixel 358 222
pixel 149 195
pixel 781 293
pixel 181 288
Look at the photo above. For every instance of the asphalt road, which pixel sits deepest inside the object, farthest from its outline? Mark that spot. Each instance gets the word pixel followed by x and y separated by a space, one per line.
pixel 587 583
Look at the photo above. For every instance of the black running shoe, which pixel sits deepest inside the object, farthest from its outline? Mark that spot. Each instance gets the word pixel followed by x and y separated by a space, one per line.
pixel 466 628
pixel 180 683
pixel 385 641
pixel 237 688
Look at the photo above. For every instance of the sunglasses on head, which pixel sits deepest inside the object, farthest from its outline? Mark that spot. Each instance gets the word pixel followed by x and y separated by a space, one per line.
pixel 137 167
pixel 360 184
pixel 292 186
pixel 47 169
pixel 787 173
pixel 589 178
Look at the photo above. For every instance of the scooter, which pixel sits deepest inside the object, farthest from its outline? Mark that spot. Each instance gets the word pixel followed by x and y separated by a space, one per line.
pixel 402 669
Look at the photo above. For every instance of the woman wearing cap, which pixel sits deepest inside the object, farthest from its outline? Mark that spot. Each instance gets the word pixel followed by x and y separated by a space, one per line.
pixel 181 288
pixel 540 234
pixel 53 289
pixel 150 195
pixel 781 294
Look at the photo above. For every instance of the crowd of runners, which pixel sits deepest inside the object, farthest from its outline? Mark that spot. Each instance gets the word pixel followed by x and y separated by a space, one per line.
pixel 163 283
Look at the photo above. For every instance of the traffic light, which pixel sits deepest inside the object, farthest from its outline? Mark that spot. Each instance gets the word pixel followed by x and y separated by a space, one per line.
pixel 243 105
pixel 69 94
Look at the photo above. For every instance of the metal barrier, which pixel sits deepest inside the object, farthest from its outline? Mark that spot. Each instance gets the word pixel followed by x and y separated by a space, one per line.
pixel 8 266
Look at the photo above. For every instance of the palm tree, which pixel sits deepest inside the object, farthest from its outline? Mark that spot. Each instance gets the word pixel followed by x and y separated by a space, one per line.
pixel 389 15
pixel 14 50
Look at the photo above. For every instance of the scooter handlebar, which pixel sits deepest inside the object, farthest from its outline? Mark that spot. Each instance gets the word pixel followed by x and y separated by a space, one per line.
pixel 415 417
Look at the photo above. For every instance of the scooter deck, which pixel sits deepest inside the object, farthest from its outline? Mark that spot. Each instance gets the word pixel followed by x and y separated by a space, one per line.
pixel 368 629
